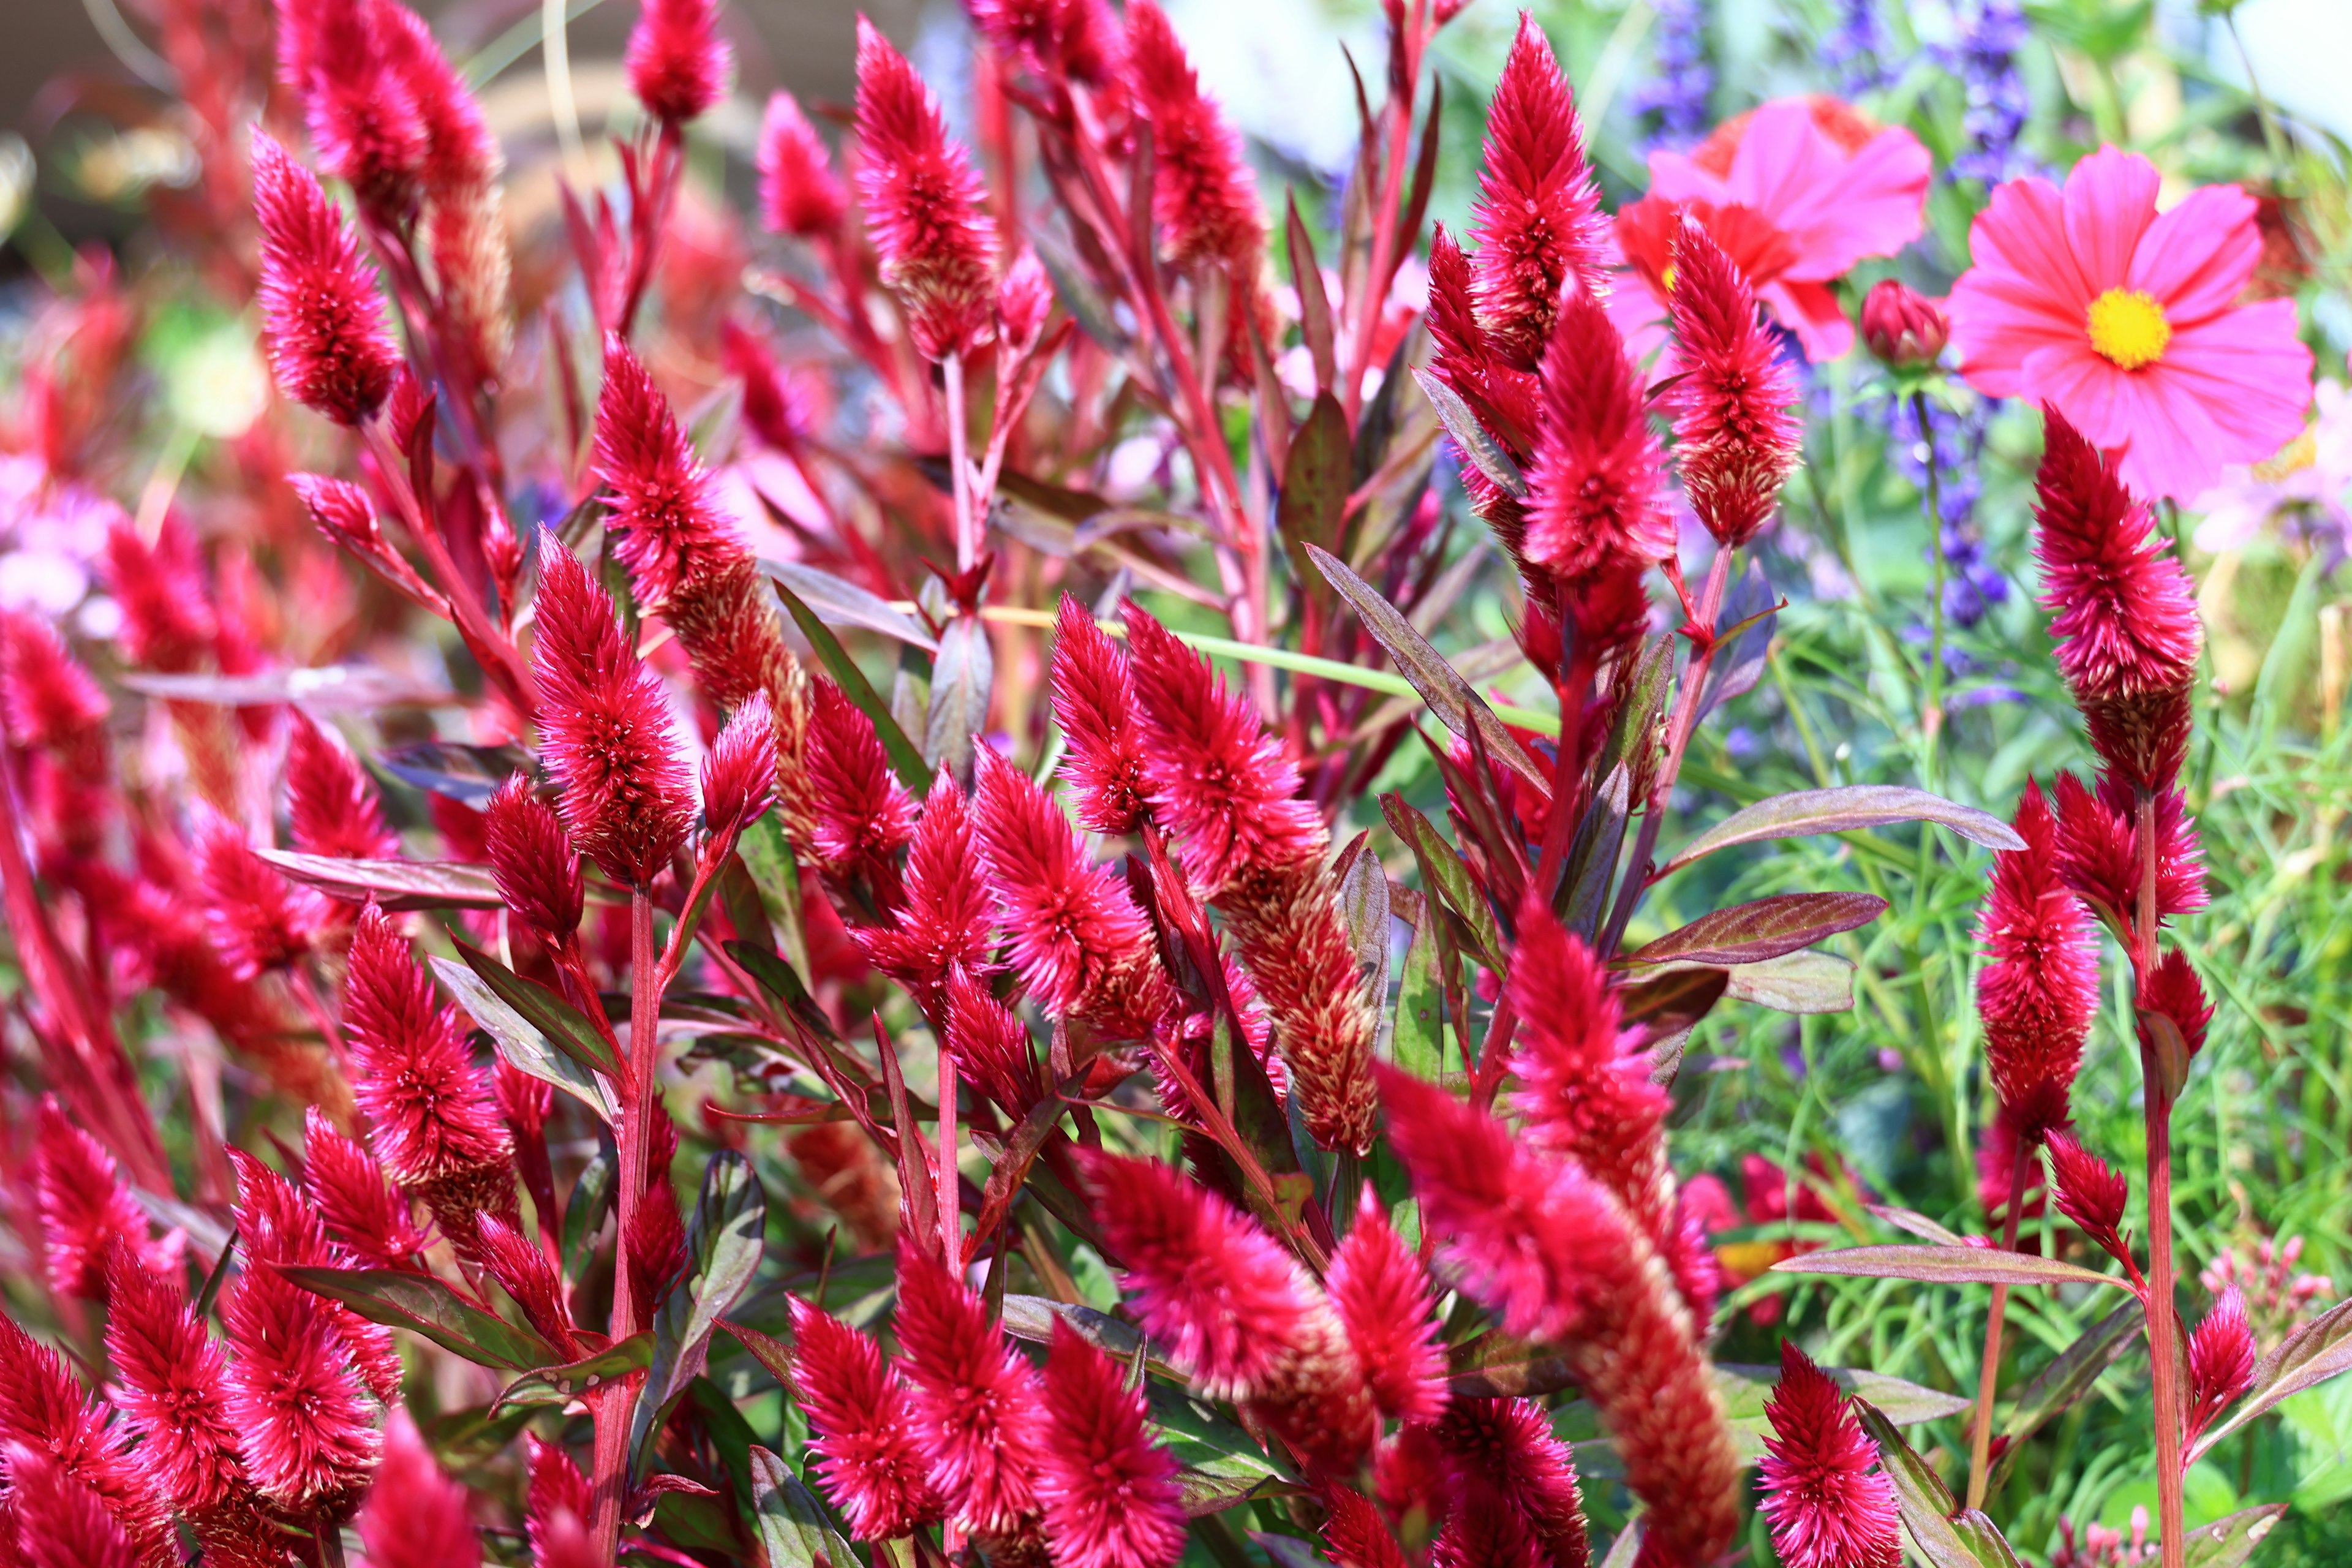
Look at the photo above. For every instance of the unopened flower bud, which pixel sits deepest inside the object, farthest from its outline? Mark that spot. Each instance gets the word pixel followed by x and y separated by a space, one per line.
pixel 1903 328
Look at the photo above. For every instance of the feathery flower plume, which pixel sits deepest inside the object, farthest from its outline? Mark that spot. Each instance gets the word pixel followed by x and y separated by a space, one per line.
pixel 1077 38
pixel 1553 1252
pixel 610 740
pixel 415 1516
pixel 537 873
pixel 942 926
pixel 557 1497
pixel 278 1227
pixel 1538 222
pixel 1354 1534
pixel 677 63
pixel 976 1401
pixel 1024 301
pixel 332 807
pixel 799 193
pixel 2221 1360
pixel 2039 988
pixel 2174 990
pixel 361 110
pixel 85 1207
pixel 1735 438
pixel 2099 851
pixel 44 1411
pixel 925 209
pixel 992 1048
pixel 167 619
pixel 1594 486
pixel 739 772
pixel 1519 1485
pixel 303 1422
pixel 47 699
pixel 1205 202
pixel 860 1428
pixel 258 920
pixel 172 1385
pixel 1077 940
pixel 864 814
pixel 1383 1295
pixel 523 1272
pixel 1094 703
pixel 355 1197
pixel 461 152
pixel 1825 1502
pixel 2091 1192
pixel 320 312
pixel 433 1119
pixel 2122 611
pixel 1110 1495
pixel 668 531
pixel 51 1518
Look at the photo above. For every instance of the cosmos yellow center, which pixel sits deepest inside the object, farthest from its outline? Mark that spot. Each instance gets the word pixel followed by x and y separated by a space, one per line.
pixel 1667 278
pixel 2127 327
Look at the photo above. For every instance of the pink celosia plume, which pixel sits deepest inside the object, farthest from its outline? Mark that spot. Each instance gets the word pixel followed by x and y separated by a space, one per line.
pixel 2040 987
pixel 1736 438
pixel 1826 1500
pixel 925 209
pixel 1109 1493
pixel 860 1428
pixel 322 317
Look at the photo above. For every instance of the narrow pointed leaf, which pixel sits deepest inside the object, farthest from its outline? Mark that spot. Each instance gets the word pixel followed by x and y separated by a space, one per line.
pixel 564 1026
pixel 845 603
pixel 1443 871
pixel 1767 929
pixel 2229 1543
pixel 425 1305
pixel 524 1047
pixel 395 884
pixel 1946 1265
pixel 793 1525
pixel 963 677
pixel 1841 810
pixel 1946 1534
pixel 723 1242
pixel 1470 438
pixel 2066 1380
pixel 561 1384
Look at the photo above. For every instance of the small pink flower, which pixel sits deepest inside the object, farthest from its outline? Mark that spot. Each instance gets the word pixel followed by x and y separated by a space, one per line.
pixel 1110 1493
pixel 1827 1504
pixel 2221 1360
pixel 677 63
pixel 799 193
pixel 2127 323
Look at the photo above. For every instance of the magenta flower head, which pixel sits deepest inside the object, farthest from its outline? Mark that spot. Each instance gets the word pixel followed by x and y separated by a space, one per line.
pixel 941 926
pixel 173 1385
pixel 85 1207
pixel 1539 222
pixel 668 531
pixel 677 63
pixel 610 740
pixel 1736 439
pixel 1383 1296
pixel 864 815
pixel 925 209
pixel 416 1515
pixel 1828 1505
pixel 2040 989
pixel 537 871
pixel 1596 497
pixel 1110 1493
pixel 1094 703
pixel 860 1428
pixel 1204 200
pixel 355 1196
pixel 1903 329
pixel 799 193
pixel 258 920
pixel 2091 1192
pixel 330 805
pixel 44 1417
pixel 976 1400
pixel 2221 1360
pixel 304 1424
pixel 320 312
pixel 51 1518
pixel 739 773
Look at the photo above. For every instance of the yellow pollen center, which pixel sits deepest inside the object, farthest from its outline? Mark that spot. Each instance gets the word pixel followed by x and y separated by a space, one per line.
pixel 2293 459
pixel 2129 328
pixel 1667 278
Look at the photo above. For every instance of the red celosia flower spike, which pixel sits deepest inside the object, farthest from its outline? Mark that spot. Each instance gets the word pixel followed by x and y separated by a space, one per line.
pixel 1077 38
pixel 278 1226
pixel 171 1384
pixel 1094 703
pixel 2174 991
pixel 2091 1192
pixel 2099 851
pixel 556 1504
pixel 523 1271
pixel 926 209
pixel 976 1401
pixel 1354 1534
pixel 1204 201
pixel 1594 487
pixel 258 920
pixel 864 814
pixel 992 1048
pixel 47 699
pixel 1077 941
pixel 1736 439
pixel 1518 1484
pixel 360 107
pixel 51 1518
pixel 859 1427
pixel 1383 1295
pixel 355 1197
pixel 668 531
pixel 1828 1505
pixel 739 773
pixel 461 152
pixel 611 742
pixel 532 862
pixel 417 1514
pixel 433 1119
pixel 44 1411
pixel 2220 1362
pixel 85 1207
pixel 943 926
pixel 677 63
pixel 799 193
pixel 2040 989
pixel 321 312
pixel 1539 222
pixel 1110 1494
pixel 332 807
pixel 167 619
pixel 304 1424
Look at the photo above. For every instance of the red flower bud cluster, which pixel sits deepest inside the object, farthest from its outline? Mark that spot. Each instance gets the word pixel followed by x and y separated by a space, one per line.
pixel 1903 329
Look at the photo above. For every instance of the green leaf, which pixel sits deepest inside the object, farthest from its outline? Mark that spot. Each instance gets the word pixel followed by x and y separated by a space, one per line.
pixel 1671 1003
pixel 1745 1388
pixel 1470 438
pixel 584 1209
pixel 963 677
pixel 561 1384
pixel 843 603
pixel 794 1526
pixel 1806 982
pixel 1441 686
pixel 2308 1357
pixel 463 1439
pixel 395 884
pixel 723 1242
pixel 2228 1542
pixel 1417 1041
pixel 425 1305
pixel 1315 484
pixel 2074 1374
pixel 524 1047
pixel 1946 1535
pixel 905 760
pixel 1032 1318
pixel 1443 871
pixel 1766 929
pixel 1584 897
pixel 1946 1265
pixel 1842 810
pixel 775 871
pixel 564 1026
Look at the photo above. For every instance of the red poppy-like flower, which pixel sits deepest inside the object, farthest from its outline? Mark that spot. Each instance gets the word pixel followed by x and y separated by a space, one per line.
pixel 1094 703
pixel 677 63
pixel 320 312
pixel 85 1207
pixel 2091 1192
pixel 1383 1295
pixel 1109 1493
pixel 1204 201
pixel 860 1428
pixel 173 1386
pixel 1903 328
pixel 1538 221
pixel 2040 987
pixel 799 193
pixel 416 1515
pixel 925 209
pixel 976 1400
pixel 1736 439
pixel 610 740
pixel 2220 1362
pixel 355 1199
pixel 536 872
pixel 1827 1504
pixel 304 1424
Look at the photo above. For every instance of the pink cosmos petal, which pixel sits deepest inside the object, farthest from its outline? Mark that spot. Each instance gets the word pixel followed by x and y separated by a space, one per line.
pixel 1677 178
pixel 2252 371
pixel 1640 318
pixel 1782 164
pixel 2110 202
pixel 2195 259
pixel 2174 447
pixel 1811 312
pixel 2086 386
pixel 1840 209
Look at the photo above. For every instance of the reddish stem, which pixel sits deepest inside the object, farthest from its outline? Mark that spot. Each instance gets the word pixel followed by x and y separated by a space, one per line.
pixel 2157 1100
pixel 612 1455
pixel 1387 246
pixel 1989 1375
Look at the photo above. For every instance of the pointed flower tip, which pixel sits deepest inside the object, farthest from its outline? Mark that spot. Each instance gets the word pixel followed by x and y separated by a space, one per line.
pixel 867 1459
pixel 1539 222
pixel 1204 201
pixel 1094 703
pixel 321 313
pixel 1826 1503
pixel 1595 510
pixel 1110 1493
pixel 2040 989
pixel 1736 437
pixel 669 534
pixel 2221 1355
pixel 536 872
pixel 432 1117
pixel 304 1424
pixel 677 63
pixel 332 807
pixel 976 1400
pixel 925 209
pixel 1385 1301
pixel 85 1206
pixel 800 195
pixel 355 1199
pixel 738 775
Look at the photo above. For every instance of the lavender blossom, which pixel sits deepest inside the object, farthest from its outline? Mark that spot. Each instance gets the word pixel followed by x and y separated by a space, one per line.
pixel 1855 49
pixel 1983 56
pixel 1681 79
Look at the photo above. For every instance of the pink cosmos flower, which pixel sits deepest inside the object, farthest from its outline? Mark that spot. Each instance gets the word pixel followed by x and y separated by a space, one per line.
pixel 2125 321
pixel 1795 193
